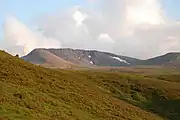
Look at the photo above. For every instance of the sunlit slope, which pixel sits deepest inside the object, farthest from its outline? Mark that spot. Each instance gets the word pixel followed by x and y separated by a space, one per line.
pixel 47 59
pixel 31 92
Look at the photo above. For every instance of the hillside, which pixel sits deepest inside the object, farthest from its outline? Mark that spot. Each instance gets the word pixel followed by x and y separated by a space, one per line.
pixel 32 92
pixel 169 59
pixel 73 58
pixel 83 57
pixel 47 59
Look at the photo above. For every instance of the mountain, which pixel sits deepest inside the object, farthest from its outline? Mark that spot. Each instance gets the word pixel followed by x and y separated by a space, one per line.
pixel 72 58
pixel 46 58
pixel 31 92
pixel 169 59
pixel 79 57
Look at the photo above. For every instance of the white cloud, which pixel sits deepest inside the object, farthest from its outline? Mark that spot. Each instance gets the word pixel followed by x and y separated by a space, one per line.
pixel 20 40
pixel 78 17
pixel 138 28
pixel 104 37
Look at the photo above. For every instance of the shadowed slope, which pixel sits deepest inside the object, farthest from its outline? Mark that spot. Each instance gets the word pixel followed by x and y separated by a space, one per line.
pixel 169 59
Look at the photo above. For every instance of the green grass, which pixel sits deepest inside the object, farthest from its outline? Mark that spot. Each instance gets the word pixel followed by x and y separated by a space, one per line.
pixel 31 92
pixel 150 93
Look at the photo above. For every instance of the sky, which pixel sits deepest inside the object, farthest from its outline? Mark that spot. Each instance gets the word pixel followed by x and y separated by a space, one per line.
pixel 26 10
pixel 137 28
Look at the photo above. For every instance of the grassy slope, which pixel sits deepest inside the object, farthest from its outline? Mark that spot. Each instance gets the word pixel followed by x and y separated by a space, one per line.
pixel 31 92
pixel 160 96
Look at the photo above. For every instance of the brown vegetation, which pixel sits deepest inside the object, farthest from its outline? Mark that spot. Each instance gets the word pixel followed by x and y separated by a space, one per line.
pixel 31 92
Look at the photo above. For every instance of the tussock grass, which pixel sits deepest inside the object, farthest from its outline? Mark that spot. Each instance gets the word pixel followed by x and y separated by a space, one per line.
pixel 31 92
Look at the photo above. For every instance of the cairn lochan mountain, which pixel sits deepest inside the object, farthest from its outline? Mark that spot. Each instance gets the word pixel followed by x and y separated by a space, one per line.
pixel 79 57
pixel 69 58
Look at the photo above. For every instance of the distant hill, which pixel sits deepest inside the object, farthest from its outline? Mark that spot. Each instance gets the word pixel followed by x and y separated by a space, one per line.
pixel 169 59
pixel 47 59
pixel 78 57
pixel 71 58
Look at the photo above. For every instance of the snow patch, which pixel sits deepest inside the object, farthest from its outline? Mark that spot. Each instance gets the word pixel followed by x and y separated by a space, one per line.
pixel 89 56
pixel 104 37
pixel 121 60
pixel 91 62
